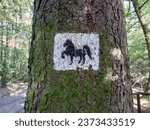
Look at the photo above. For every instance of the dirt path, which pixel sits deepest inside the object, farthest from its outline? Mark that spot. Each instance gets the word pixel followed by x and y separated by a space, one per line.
pixel 14 101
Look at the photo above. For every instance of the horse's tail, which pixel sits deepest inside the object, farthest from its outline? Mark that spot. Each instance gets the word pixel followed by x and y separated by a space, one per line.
pixel 87 49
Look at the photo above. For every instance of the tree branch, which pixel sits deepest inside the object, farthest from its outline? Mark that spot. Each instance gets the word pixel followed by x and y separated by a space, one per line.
pixel 139 8
pixel 143 4
pixel 132 26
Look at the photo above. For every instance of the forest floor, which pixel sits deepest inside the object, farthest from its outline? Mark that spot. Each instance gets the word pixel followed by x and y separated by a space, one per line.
pixel 12 98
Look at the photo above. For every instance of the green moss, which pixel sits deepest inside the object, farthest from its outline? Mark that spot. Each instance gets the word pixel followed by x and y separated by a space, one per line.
pixel 29 99
pixel 72 94
pixel 43 101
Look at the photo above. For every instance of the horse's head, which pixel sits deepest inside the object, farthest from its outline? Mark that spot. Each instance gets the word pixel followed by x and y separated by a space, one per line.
pixel 68 43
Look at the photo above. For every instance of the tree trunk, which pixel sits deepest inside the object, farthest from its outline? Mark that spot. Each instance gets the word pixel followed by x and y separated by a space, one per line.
pixel 1 54
pixel 5 53
pixel 146 31
pixel 14 62
pixel 105 90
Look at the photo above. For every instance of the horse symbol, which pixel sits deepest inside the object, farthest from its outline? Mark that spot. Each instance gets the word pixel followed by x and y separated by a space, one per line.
pixel 71 51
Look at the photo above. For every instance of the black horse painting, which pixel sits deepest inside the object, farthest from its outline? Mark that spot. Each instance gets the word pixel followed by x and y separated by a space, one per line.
pixel 71 51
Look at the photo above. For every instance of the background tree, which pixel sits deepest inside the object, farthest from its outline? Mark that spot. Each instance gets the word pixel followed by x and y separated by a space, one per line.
pixel 106 90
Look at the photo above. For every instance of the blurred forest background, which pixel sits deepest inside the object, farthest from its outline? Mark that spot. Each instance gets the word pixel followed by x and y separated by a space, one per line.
pixel 136 18
pixel 15 35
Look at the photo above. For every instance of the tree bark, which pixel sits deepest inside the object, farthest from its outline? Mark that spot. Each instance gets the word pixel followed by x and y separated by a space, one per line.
pixel 146 31
pixel 105 90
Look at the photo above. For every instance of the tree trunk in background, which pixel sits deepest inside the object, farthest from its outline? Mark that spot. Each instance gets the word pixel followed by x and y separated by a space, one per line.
pixel 1 53
pixel 105 90
pixel 14 75
pixel 5 54
pixel 146 31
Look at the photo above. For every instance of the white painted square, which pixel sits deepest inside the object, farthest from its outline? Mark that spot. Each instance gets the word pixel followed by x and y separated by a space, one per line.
pixel 78 40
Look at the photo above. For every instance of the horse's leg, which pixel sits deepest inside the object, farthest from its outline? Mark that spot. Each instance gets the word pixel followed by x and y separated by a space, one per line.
pixel 62 54
pixel 80 59
pixel 83 62
pixel 71 60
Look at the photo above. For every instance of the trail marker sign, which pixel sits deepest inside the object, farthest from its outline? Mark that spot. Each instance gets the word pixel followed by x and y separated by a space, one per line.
pixel 72 50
